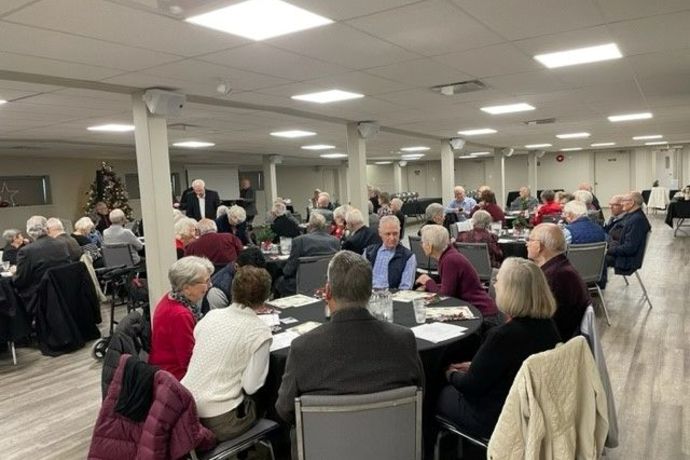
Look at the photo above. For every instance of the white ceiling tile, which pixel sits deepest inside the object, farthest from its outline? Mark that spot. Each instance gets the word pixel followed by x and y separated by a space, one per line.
pixel 489 61
pixel 8 6
pixel 516 19
pixel 651 65
pixel 665 90
pixel 597 73
pixel 142 80
pixel 358 82
pixel 45 66
pixel 570 39
pixel 620 10
pixel 656 33
pixel 420 72
pixel 526 83
pixel 340 10
pixel 429 28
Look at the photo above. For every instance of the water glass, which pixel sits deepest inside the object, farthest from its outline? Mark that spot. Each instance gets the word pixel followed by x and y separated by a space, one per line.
pixel 496 228
pixel 419 306
pixel 285 245
pixel 381 305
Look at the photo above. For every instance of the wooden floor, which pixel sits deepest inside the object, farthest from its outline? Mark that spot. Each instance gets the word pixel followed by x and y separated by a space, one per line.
pixel 48 405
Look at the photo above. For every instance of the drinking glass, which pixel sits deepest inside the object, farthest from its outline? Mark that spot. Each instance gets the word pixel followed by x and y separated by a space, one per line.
pixel 6 265
pixel 419 306
pixel 285 245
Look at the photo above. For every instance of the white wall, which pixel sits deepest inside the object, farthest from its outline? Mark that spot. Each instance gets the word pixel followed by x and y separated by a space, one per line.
pixel 470 173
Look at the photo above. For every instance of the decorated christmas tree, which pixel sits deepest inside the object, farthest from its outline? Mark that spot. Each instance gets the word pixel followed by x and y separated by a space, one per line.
pixel 108 188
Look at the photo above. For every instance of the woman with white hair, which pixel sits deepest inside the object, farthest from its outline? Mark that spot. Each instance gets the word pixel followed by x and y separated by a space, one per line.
pixel 481 223
pixel 185 233
pixel 234 221
pixel 82 229
pixel 13 242
pixel 339 225
pixel 177 312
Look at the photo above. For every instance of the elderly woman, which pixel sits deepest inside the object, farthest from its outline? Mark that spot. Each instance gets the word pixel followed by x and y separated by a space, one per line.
pixel 549 207
pixel 13 242
pixel 82 229
pixel 185 233
pixel 101 216
pixel 177 313
pixel 396 210
pixel 230 357
pixel 235 222
pixel 435 215
pixel 458 277
pixel 338 226
pixel 282 224
pixel 477 390
pixel 481 222
pixel 487 202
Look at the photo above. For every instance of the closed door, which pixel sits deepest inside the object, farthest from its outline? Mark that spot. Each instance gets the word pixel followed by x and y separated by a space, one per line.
pixel 611 174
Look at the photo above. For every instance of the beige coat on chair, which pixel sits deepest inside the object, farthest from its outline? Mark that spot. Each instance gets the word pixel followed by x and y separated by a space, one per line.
pixel 556 408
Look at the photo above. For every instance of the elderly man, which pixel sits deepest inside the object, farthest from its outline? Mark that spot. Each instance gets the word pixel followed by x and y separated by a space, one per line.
pixel 202 203
pixel 248 199
pixel 34 259
pixel 396 209
pixel 462 205
pixel 57 230
pixel 283 225
pixel 394 265
pixel 588 187
pixel 219 248
pixel 546 247
pixel 524 201
pixel 13 242
pixel 614 227
pixel 316 242
pixel 324 207
pixel 361 236
pixel 580 229
pixel 117 233
pixel 353 353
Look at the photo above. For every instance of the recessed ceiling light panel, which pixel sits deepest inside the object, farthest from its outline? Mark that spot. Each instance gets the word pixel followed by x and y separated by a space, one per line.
pixel 466 157
pixel 193 144
pixel 477 132
pixel 537 146
pixel 603 144
pixel 112 128
pixel 333 156
pixel 412 156
pixel 510 108
pixel 2 101
pixel 259 19
pixel 650 136
pixel 324 97
pixel 418 148
pixel 383 162
pixel 292 134
pixel 656 143
pixel 572 135
pixel 571 149
pixel 479 154
pixel 580 56
pixel 318 147
pixel 630 117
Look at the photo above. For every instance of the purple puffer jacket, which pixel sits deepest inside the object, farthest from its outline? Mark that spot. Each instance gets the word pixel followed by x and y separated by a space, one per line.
pixel 171 428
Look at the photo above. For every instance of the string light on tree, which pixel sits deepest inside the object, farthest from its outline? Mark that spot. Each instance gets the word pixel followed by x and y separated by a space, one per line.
pixel 108 188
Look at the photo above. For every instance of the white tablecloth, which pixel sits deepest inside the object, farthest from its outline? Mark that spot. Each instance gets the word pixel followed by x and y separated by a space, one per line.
pixel 658 198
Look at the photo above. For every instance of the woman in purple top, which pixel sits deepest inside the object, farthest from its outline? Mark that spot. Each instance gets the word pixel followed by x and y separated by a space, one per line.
pixel 487 202
pixel 458 277
pixel 481 221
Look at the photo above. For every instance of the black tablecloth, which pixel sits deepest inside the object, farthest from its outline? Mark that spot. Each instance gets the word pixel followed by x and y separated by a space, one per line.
pixel 14 323
pixel 677 210
pixel 512 247
pixel 418 207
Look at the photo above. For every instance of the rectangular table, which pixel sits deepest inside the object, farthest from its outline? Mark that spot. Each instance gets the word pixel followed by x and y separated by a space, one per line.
pixel 678 210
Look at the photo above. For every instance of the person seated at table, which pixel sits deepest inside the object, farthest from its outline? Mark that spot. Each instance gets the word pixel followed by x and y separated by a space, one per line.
pixel 546 247
pixel 614 226
pixel 82 229
pixel 373 217
pixel 101 216
pixel 14 241
pixel 117 233
pixel 549 207
pixel 524 201
pixel 34 259
pixel 324 207
pixel 236 224
pixel 176 314
pixel 230 357
pixel 220 294
pixel 283 225
pixel 585 197
pixel 384 204
pixel 338 226
pixel 461 205
pixel 477 390
pixel 185 233
pixel 360 236
pixel 396 209
pixel 487 202
pixel 580 229
pixel 353 353
pixel 57 230
pixel 374 198
pixel 481 223
pixel 627 254
pixel 588 187
pixel 394 265
pixel 316 242
pixel 563 197
pixel 434 216
pixel 458 277
pixel 219 248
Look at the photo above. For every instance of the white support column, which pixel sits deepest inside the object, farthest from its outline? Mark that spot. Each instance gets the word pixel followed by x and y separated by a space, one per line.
pixel 357 174
pixel 532 179
pixel 153 167
pixel 343 185
pixel 499 184
pixel 447 171
pixel 397 177
pixel 270 181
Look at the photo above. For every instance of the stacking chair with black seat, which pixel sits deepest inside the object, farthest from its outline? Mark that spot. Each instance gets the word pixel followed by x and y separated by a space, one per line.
pixel 425 264
pixel 258 434
pixel 645 297
pixel 312 273
pixel 447 427
pixel 377 426
pixel 589 260
pixel 550 218
pixel 478 255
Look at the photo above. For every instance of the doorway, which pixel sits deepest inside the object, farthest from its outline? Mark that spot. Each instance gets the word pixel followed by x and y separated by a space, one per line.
pixel 611 174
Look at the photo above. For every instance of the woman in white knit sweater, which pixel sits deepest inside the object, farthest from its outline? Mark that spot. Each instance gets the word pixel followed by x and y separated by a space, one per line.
pixel 230 357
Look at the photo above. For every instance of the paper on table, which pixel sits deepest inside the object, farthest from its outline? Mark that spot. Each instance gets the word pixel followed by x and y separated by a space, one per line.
pixel 449 313
pixel 292 301
pixel 304 327
pixel 438 332
pixel 282 340
pixel 409 296
pixel 271 319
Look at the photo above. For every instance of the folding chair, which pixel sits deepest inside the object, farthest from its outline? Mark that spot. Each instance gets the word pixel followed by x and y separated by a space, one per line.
pixel 645 297
pixel 447 427
pixel 589 261
pixel 425 264
pixel 256 435
pixel 311 273
pixel 478 255
pixel 377 426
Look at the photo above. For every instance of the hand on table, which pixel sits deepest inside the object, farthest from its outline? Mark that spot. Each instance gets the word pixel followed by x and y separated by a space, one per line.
pixel 422 279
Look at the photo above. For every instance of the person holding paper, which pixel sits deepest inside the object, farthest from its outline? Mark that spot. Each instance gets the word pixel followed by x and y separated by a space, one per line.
pixel 477 390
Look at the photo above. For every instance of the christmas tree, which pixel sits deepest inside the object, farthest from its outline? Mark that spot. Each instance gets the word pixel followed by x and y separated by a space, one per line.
pixel 109 189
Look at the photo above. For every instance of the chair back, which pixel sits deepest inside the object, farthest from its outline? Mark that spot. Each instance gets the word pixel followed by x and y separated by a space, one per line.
pixel 424 262
pixel 117 254
pixel 550 218
pixel 478 255
pixel 377 426
pixel 588 260
pixel 67 224
pixel 311 273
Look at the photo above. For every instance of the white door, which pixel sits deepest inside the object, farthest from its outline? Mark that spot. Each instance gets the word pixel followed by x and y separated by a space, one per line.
pixel 666 168
pixel 611 175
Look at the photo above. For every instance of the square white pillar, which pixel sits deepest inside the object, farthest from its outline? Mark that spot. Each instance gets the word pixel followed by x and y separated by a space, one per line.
pixel 357 170
pixel 270 179
pixel 499 184
pixel 447 172
pixel 532 170
pixel 397 177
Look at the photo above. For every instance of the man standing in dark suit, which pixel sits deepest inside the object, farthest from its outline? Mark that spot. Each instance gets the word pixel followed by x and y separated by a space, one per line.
pixel 360 236
pixel 202 203
pixel 316 242
pixel 248 202
pixel 354 353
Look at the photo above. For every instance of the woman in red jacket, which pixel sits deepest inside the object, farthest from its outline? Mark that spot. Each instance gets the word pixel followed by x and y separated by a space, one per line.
pixel 176 315
pixel 550 207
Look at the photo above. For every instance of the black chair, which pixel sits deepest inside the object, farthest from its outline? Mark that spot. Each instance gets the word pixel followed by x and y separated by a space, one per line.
pixel 258 434
pixel 447 427
pixel 425 264
pixel 311 273
pixel 589 260
pixel 478 256
pixel 645 296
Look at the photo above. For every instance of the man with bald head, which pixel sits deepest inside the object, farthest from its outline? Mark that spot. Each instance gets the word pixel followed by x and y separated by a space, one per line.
pixel 546 247
pixel 462 205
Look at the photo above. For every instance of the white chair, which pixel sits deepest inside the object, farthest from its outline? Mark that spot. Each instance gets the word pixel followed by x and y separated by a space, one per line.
pixel 377 426
pixel 589 260
pixel 311 273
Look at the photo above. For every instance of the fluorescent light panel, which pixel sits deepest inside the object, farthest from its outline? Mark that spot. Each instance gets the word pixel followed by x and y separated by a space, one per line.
pixel 572 135
pixel 479 154
pixel 477 132
pixel 537 146
pixel 630 117
pixel 193 144
pixel 466 157
pixel 333 156
pixel 656 143
pixel 510 108
pixel 603 144
pixel 318 147
pixel 383 162
pixel 580 56
pixel 324 97
pixel 112 128
pixel 650 136
pixel 293 133
pixel 419 148
pixel 412 156
pixel 571 149
pixel 2 101
pixel 259 19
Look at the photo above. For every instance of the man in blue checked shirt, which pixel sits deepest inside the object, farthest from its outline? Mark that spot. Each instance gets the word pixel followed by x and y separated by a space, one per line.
pixel 393 264
pixel 462 205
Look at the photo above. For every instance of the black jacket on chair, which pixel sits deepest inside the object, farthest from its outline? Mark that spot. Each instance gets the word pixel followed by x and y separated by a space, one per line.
pixel 33 260
pixel 285 226
pixel 132 336
pixel 191 205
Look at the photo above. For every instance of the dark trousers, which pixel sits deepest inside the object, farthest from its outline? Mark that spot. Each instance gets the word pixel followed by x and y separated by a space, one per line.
pixel 232 424
pixel 452 406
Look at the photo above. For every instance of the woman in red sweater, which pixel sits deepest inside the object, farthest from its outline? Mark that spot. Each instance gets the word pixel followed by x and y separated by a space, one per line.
pixel 176 315
pixel 550 207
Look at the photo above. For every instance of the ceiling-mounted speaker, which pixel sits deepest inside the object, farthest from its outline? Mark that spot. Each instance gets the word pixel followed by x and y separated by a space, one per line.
pixel 402 163
pixel 166 103
pixel 508 152
pixel 457 143
pixel 368 129
pixel 540 153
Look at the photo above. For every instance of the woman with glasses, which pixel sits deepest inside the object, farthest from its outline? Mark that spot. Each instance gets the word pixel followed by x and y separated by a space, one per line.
pixel 177 313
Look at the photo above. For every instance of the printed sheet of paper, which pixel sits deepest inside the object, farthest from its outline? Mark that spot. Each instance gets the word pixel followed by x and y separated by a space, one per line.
pixel 438 332
pixel 409 296
pixel 293 301
pixel 304 327
pixel 271 319
pixel 449 313
pixel 282 340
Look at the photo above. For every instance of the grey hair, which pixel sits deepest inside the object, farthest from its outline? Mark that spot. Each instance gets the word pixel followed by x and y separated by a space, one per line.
pixel 576 208
pixel 481 219
pixel 279 208
pixel 389 219
pixel 550 236
pixel 396 203
pixel 177 215
pixel 221 211
pixel 117 217
pixel 198 182
pixel 188 270
pixel 185 227
pixel 36 226
pixel 341 211
pixel 323 200
pixel 637 198
pixel 350 278
pixel 584 196
pixel 458 188
pixel 205 226
pixel 354 218
pixel 317 221
pixel 434 209
pixel 10 234
pixel 435 236
pixel 236 215
pixel 326 194
pixel 84 225
pixel 55 224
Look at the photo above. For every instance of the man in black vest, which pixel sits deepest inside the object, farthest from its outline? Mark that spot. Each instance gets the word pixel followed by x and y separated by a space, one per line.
pixel 393 265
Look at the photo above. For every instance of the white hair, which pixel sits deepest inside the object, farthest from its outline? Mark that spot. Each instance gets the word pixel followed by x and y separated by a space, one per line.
pixel 117 217
pixel 389 219
pixel 36 226
pixel 84 225
pixel 481 219
pixel 575 208
pixel 221 211
pixel 317 221
pixel 55 224
pixel 279 208
pixel 177 215
pixel 185 226
pixel 205 226
pixel 435 236
pixel 354 218
pixel 198 182
pixel 236 215
pixel 341 211
pixel 188 270
pixel 396 204
pixel 584 196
